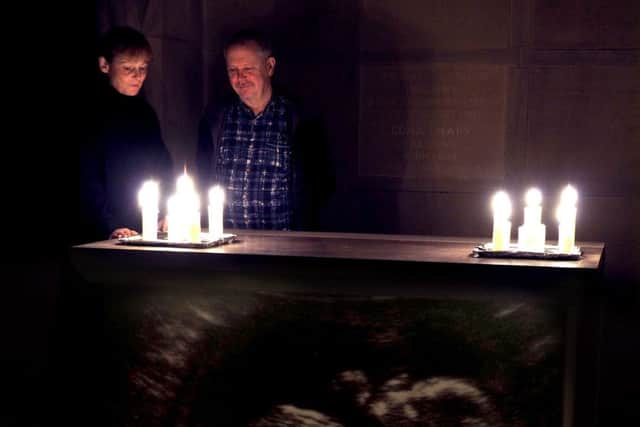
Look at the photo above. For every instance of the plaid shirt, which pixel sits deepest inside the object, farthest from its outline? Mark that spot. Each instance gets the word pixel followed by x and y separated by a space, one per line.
pixel 254 165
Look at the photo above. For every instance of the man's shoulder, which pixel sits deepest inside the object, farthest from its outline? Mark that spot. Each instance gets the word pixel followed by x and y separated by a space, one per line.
pixel 285 100
pixel 288 107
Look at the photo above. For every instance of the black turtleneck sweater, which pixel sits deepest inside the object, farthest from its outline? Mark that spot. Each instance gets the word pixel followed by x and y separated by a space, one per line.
pixel 126 150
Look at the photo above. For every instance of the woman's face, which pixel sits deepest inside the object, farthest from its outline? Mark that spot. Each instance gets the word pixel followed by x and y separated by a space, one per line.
pixel 126 72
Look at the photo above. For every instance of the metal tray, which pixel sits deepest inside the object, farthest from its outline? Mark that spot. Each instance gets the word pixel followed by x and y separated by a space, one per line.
pixel 551 252
pixel 205 241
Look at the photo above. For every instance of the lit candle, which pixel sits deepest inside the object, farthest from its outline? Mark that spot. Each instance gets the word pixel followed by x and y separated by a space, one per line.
pixel 531 234
pixel 501 206
pixel 216 202
pixel 193 217
pixel 174 220
pixel 566 215
pixel 184 184
pixel 148 200
pixel 533 210
pixel 184 212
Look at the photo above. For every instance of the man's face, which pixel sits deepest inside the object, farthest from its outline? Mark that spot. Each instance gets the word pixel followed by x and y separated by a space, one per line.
pixel 250 72
pixel 126 73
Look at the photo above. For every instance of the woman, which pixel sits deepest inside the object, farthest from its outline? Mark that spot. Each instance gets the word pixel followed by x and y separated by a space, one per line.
pixel 127 147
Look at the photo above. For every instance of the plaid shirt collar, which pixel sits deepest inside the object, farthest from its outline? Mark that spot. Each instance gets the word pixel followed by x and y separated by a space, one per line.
pixel 247 110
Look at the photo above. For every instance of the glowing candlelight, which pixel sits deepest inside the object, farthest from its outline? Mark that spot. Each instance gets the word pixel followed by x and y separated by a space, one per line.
pixel 193 217
pixel 216 203
pixel 148 197
pixel 533 210
pixel 531 234
pixel 184 184
pixel 566 214
pixel 501 206
pixel 184 212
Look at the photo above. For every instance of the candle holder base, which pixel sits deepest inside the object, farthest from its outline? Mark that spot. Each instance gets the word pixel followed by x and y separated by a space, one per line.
pixel 551 252
pixel 205 241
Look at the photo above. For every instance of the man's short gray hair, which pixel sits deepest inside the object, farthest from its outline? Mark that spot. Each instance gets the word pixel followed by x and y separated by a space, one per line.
pixel 246 37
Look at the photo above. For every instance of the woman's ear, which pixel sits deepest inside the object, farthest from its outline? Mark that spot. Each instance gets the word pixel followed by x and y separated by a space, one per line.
pixel 103 64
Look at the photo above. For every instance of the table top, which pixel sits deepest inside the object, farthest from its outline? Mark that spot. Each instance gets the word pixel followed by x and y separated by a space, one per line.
pixel 365 247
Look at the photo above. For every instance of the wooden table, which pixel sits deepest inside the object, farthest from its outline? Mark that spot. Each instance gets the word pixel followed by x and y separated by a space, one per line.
pixel 378 265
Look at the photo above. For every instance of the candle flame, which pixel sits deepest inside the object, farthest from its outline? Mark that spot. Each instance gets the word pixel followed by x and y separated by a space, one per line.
pixel 569 196
pixel 185 184
pixel 216 195
pixel 567 208
pixel 533 197
pixel 501 205
pixel 149 194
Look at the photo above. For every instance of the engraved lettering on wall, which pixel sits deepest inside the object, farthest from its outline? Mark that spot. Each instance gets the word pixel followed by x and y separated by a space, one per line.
pixel 432 122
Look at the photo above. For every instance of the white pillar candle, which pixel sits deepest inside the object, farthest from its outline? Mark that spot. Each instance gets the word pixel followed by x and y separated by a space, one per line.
pixel 185 185
pixel 193 217
pixel 148 197
pixel 216 209
pixel 501 206
pixel 531 234
pixel 566 215
pixel 184 212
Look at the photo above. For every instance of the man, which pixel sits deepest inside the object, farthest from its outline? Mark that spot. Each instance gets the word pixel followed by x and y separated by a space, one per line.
pixel 126 146
pixel 249 145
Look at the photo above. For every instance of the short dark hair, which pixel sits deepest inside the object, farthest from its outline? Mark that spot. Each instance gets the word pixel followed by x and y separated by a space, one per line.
pixel 119 40
pixel 249 36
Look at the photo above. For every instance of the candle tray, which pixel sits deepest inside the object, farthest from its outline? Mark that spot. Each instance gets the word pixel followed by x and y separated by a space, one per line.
pixel 551 252
pixel 205 241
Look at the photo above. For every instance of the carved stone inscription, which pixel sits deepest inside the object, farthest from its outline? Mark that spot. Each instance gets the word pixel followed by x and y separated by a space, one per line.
pixel 432 122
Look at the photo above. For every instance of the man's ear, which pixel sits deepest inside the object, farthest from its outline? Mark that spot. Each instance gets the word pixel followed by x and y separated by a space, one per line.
pixel 103 64
pixel 271 65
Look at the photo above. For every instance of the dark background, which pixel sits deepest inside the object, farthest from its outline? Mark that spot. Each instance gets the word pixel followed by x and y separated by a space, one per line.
pixel 429 107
